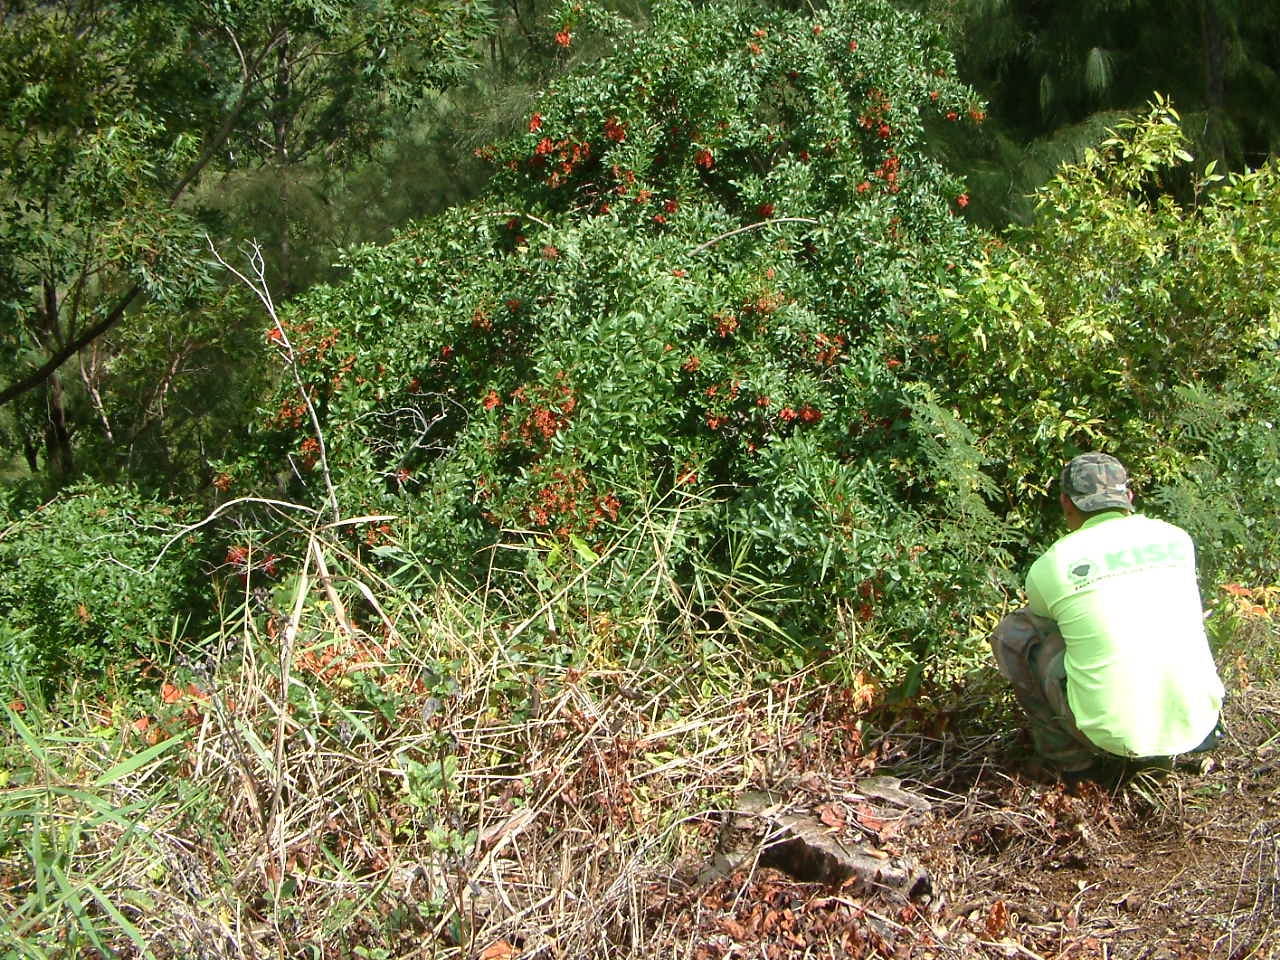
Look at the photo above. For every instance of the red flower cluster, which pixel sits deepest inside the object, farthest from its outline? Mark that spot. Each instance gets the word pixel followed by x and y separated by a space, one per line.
pixel 567 153
pixel 609 504
pixel 535 123
pixel 691 365
pixel 962 200
pixel 290 413
pixel 310 452
pixel 561 502
pixel 764 304
pixel 492 400
pixel 550 412
pixel 376 534
pixel 829 349
pixel 805 414
pixel 888 170
pixel 765 210
pixel 614 130
pixel 727 325
pixel 563 38
pixel 704 159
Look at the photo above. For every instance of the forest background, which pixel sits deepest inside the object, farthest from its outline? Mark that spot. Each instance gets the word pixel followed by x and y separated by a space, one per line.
pixel 380 359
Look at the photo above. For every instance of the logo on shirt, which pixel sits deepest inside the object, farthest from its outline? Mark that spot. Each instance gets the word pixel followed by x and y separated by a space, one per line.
pixel 1080 571
pixel 1085 570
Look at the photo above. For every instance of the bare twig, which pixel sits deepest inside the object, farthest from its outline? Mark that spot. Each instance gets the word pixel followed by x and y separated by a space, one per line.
pixel 220 509
pixel 258 284
pixel 752 226
pixel 517 213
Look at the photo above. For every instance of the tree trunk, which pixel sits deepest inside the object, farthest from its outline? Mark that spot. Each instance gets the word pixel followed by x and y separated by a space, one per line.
pixel 1213 45
pixel 281 121
pixel 57 437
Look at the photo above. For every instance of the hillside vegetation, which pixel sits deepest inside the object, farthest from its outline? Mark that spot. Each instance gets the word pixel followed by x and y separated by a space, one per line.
pixel 707 443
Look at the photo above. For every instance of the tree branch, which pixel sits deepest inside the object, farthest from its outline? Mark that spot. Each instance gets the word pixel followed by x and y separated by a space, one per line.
pixel 70 348
pixel 82 339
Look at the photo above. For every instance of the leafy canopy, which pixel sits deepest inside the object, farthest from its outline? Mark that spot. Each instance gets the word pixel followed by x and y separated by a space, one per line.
pixel 702 269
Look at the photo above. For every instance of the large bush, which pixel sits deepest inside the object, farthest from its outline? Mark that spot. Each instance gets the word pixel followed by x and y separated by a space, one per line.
pixel 719 270
pixel 695 275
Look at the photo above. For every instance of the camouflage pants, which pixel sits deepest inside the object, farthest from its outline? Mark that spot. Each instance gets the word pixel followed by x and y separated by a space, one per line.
pixel 1029 651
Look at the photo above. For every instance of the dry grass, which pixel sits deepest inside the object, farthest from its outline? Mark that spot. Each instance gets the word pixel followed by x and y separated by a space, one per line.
pixel 469 777
pixel 462 776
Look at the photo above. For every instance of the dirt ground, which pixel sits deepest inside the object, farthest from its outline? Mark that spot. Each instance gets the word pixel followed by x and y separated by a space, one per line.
pixel 1169 864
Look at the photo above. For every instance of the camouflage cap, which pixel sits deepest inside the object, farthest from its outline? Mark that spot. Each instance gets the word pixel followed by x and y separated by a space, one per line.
pixel 1096 481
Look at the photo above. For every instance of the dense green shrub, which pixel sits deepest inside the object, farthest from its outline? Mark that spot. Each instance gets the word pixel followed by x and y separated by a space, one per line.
pixel 696 271
pixel 83 584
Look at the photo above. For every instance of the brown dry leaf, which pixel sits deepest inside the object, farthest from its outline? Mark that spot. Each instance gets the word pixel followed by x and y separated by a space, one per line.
pixel 867 817
pixel 832 815
pixel 501 950
pixel 997 920
pixel 169 693
pixel 733 928
pixel 864 692
pixel 1242 672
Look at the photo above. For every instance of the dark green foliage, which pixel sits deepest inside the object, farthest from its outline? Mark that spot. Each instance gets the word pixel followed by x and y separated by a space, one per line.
pixel 114 113
pixel 1056 72
pixel 84 587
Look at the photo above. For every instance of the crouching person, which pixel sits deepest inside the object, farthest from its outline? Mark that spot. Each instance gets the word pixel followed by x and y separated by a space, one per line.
pixel 1109 657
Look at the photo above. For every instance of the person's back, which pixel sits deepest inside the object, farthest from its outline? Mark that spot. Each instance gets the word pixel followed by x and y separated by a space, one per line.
pixel 1122 590
pixel 1109 658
